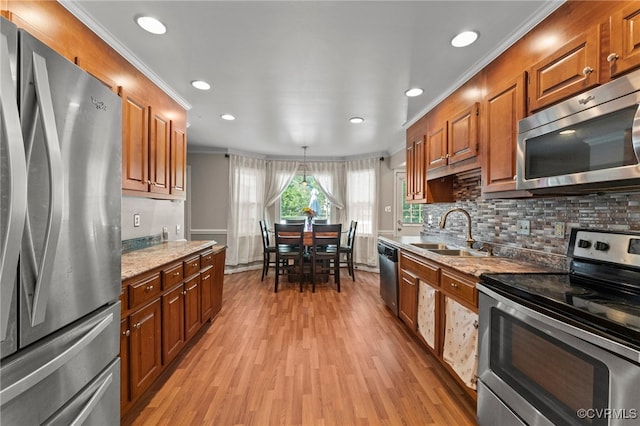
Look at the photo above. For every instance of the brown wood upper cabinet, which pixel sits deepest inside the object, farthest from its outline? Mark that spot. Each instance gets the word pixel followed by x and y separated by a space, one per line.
pixel 455 139
pixel 624 52
pixel 178 160
pixel 415 170
pixel 135 143
pixel 503 108
pixel 571 69
pixel 158 153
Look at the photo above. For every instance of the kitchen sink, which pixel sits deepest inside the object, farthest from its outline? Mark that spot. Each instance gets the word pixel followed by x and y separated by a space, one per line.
pixel 430 246
pixel 459 252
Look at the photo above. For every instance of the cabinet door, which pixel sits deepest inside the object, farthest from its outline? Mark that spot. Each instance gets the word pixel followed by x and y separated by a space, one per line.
pixel 624 54
pixel 192 307
pixel 408 298
pixel 125 333
pixel 173 338
pixel 460 348
pixel 462 140
pixel 419 169
pixel 504 107
pixel 178 161
pixel 158 153
pixel 437 147
pixel 410 168
pixel 428 315
pixel 218 282
pixel 570 70
pixel 206 283
pixel 135 144
pixel 145 350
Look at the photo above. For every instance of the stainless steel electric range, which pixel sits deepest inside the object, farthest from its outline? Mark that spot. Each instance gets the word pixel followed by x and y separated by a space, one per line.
pixel 564 349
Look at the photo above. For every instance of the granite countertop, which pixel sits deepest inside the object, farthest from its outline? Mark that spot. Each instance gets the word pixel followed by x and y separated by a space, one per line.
pixel 475 265
pixel 139 261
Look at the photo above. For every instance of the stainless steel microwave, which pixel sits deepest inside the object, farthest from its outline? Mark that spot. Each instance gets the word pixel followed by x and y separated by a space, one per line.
pixel 588 143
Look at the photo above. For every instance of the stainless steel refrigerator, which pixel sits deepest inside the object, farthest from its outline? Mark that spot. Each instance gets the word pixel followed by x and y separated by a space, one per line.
pixel 60 239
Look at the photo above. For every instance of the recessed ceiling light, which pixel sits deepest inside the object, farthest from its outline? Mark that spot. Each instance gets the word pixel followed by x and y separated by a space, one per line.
pixel 413 92
pixel 465 38
pixel 202 85
pixel 227 117
pixel 150 24
pixel 356 120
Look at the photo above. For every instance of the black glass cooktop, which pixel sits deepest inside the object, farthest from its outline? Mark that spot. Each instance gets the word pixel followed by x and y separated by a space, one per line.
pixel 610 313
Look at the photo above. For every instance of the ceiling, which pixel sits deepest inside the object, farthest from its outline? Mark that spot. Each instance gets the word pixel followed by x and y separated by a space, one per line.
pixel 294 72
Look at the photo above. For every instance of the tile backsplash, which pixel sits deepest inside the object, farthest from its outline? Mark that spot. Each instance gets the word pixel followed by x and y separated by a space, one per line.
pixel 495 220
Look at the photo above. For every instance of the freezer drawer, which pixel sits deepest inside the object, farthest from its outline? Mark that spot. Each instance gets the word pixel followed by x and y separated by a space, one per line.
pixel 39 381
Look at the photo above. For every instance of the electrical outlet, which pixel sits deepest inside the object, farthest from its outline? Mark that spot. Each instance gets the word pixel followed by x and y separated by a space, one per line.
pixel 387 209
pixel 523 227
pixel 136 220
pixel 177 229
pixel 558 229
pixel 430 219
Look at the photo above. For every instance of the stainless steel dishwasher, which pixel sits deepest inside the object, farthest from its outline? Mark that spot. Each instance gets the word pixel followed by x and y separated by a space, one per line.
pixel 388 257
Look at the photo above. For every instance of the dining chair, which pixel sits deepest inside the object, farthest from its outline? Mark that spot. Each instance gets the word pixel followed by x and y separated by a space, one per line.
pixel 320 221
pixel 268 250
pixel 347 250
pixel 325 253
pixel 289 252
pixel 294 221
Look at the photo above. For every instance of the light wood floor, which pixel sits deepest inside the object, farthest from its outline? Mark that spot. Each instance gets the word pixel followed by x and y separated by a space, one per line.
pixel 291 358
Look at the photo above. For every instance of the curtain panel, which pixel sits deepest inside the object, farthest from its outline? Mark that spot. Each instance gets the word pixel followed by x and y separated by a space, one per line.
pixel 279 175
pixel 247 180
pixel 331 179
pixel 362 205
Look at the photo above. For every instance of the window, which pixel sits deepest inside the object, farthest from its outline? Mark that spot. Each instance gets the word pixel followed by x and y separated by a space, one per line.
pixel 297 196
pixel 411 213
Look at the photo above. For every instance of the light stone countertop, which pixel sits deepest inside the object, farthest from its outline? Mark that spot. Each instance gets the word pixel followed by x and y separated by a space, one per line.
pixel 140 261
pixel 472 265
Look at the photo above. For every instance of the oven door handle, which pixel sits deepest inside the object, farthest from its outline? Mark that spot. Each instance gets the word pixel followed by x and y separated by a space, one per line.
pixel 524 313
pixel 635 134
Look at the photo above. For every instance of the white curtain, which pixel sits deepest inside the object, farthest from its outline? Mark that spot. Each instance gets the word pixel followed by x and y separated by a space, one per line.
pixel 279 175
pixel 247 177
pixel 362 205
pixel 331 179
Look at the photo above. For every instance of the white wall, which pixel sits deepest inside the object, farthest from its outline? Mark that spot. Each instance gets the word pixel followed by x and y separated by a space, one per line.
pixel 154 214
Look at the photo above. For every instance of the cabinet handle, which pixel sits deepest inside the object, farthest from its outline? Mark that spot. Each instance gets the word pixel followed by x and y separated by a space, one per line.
pixel 192 287
pixel 137 325
pixel 207 277
pixel 175 274
pixel 515 177
pixel 476 324
pixel 587 70
pixel 194 265
pixel 126 333
pixel 441 158
pixel 454 285
pixel 148 289
pixel 613 57
pixel 148 182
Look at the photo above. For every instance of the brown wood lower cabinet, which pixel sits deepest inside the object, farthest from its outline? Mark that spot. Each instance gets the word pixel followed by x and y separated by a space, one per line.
pixel 440 305
pixel 161 312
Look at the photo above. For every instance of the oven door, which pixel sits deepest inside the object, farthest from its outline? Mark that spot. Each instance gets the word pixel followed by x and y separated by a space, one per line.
pixel 546 372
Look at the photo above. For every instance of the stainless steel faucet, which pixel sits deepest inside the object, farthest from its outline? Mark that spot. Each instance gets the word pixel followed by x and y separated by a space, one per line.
pixel 443 222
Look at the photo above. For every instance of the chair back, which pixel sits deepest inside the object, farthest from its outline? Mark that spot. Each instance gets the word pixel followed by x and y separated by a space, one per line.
pixel 351 235
pixel 320 221
pixel 289 236
pixel 294 221
pixel 326 236
pixel 265 234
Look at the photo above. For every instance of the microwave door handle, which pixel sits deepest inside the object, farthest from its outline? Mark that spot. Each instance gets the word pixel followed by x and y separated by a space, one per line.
pixel 56 190
pixel 635 134
pixel 17 187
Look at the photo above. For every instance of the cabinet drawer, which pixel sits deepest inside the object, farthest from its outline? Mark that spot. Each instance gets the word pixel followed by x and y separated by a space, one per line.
pixel 459 288
pixel 206 258
pixel 144 290
pixel 172 276
pixel 191 266
pixel 424 270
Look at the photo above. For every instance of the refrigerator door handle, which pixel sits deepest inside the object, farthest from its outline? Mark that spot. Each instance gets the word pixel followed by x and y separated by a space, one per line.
pixel 91 404
pixel 36 376
pixel 17 188
pixel 56 190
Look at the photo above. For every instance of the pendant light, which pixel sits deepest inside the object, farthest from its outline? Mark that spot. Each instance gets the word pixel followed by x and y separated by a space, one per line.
pixel 304 167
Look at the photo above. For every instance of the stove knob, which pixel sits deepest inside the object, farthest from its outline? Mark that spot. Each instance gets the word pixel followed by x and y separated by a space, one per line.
pixel 584 244
pixel 602 246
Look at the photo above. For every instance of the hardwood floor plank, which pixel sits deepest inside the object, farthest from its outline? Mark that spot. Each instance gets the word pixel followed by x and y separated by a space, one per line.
pixel 291 358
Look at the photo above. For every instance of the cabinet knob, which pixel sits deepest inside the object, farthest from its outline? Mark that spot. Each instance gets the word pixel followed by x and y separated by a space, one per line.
pixel 126 333
pixel 454 285
pixel 137 325
pixel 515 177
pixel 175 274
pixel 148 289
pixel 184 292
pixel 587 70
pixel 148 182
pixel 613 57
pixel 447 156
